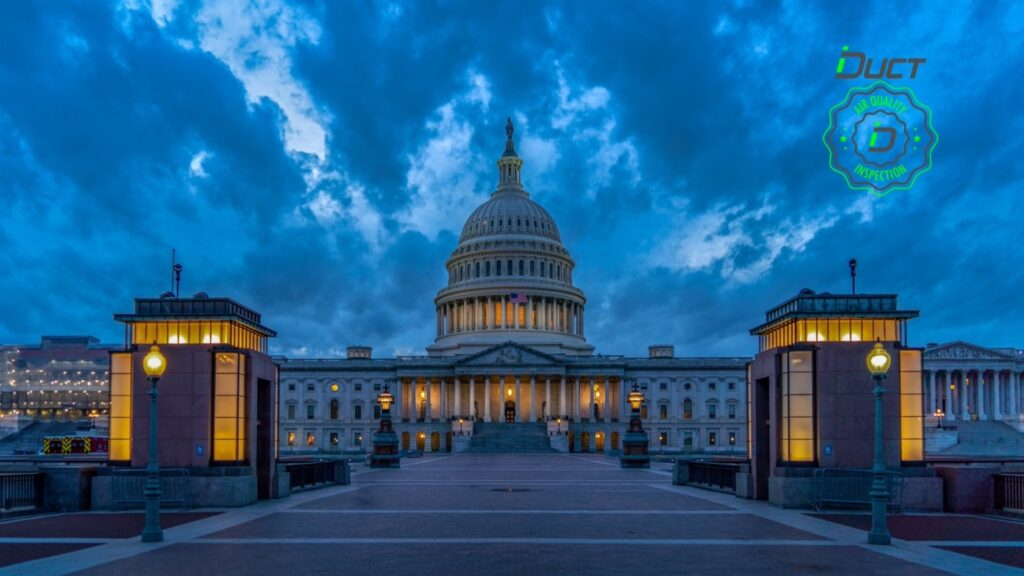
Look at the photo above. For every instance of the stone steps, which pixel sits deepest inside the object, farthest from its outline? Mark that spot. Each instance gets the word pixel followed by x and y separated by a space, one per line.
pixel 504 438
pixel 981 438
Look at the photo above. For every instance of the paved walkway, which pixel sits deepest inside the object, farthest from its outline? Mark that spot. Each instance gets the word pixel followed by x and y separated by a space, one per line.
pixel 502 515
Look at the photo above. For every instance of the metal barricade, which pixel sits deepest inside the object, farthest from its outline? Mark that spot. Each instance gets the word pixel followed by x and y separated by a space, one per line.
pixel 130 483
pixel 851 488
pixel 721 475
pixel 305 474
pixel 21 491
pixel 1008 492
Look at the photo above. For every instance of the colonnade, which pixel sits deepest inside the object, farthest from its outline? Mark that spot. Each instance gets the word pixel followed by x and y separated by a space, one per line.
pixel 962 393
pixel 490 397
pixel 501 313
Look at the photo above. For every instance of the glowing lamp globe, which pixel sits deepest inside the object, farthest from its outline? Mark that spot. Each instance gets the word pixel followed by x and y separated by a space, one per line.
pixel 635 398
pixel 878 360
pixel 154 363
pixel 385 399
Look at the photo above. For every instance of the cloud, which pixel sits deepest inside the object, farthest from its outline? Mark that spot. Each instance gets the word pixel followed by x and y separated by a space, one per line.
pixel 444 171
pixel 737 242
pixel 570 106
pixel 195 166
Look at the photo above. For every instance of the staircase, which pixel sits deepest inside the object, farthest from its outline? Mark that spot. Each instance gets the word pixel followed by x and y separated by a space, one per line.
pixel 502 438
pixel 986 438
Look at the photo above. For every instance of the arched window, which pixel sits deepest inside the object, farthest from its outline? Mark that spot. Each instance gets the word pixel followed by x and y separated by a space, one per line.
pixel 334 409
pixel 510 268
pixel 687 409
pixel 487 268
pixel 551 270
pixel 460 273
pixel 559 272
pixel 533 271
pixel 477 275
pixel 519 221
pixel 497 268
pixel 521 271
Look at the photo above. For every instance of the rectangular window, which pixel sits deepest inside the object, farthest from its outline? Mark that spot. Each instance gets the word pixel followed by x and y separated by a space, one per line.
pixel 376 387
pixel 712 411
pixel 291 411
pixel 359 386
pixel 310 386
pixel 663 411
pixel 291 386
pixel 711 385
pixel 663 438
pixel 120 446
pixel 732 411
pixel 334 439
pixel 911 407
pixel 310 411
pixel 310 440
pixel 229 408
pixel 376 411
pixel 712 438
pixel 798 407
pixel 688 439
pixel 732 386
pixel 291 437
pixel 357 412
pixel 732 438
pixel 664 385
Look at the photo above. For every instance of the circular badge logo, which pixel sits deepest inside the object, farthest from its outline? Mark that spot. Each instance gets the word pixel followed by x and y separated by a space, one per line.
pixel 880 138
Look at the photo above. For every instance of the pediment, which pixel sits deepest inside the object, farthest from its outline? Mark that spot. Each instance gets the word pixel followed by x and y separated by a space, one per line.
pixel 509 353
pixel 964 351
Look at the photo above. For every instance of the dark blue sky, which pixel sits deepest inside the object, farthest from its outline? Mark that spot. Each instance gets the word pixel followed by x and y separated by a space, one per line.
pixel 316 161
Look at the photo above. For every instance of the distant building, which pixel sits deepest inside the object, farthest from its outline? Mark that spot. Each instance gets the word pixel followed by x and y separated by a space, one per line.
pixel 61 378
pixel 969 382
pixel 511 359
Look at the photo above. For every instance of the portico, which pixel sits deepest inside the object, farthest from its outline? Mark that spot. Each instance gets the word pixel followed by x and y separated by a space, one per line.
pixel 968 382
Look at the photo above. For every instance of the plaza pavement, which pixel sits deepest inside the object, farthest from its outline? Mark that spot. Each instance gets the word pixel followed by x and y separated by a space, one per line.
pixel 503 515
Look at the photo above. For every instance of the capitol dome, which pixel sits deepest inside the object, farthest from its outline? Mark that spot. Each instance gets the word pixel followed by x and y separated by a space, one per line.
pixel 510 277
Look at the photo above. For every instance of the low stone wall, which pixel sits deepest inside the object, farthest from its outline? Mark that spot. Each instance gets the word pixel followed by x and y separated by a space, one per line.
pixel 204 491
pixel 922 494
pixel 66 488
pixel 967 488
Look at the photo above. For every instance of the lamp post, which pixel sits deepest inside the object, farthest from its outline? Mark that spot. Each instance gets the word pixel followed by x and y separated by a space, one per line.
pixel 460 426
pixel 878 362
pixel 634 444
pixel 154 364
pixel 385 441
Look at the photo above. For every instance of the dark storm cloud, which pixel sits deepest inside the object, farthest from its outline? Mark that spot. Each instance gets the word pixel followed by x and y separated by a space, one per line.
pixel 684 165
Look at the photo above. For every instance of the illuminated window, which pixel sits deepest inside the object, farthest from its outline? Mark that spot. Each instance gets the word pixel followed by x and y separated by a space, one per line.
pixel 229 408
pixel 712 438
pixel 120 447
pixel 798 407
pixel 663 439
pixel 732 438
pixel 310 439
pixel 334 439
pixel 291 437
pixel 334 409
pixel 911 407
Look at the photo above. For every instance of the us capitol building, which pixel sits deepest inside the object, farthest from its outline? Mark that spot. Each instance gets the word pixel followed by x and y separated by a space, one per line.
pixel 510 368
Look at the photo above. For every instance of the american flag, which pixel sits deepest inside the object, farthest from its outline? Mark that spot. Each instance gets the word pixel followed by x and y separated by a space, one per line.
pixel 518 298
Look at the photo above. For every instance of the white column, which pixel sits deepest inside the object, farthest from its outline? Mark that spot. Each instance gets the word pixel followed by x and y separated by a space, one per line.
pixel 949 395
pixel 504 313
pixel 997 409
pixel 593 398
pixel 458 397
pixel 980 395
pixel 933 402
pixel 443 397
pixel 576 399
pixel 561 397
pixel 487 398
pixel 961 387
pixel 547 398
pixel 533 398
pixel 519 406
pixel 430 409
pixel 472 396
pixel 1014 384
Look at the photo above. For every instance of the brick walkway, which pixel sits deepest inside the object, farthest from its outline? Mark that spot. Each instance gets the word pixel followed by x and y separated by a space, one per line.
pixel 514 515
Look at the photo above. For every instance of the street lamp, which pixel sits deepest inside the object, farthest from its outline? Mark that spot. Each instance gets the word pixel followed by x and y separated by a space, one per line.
pixel 385 441
pixel 878 362
pixel 460 426
pixel 635 442
pixel 154 365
